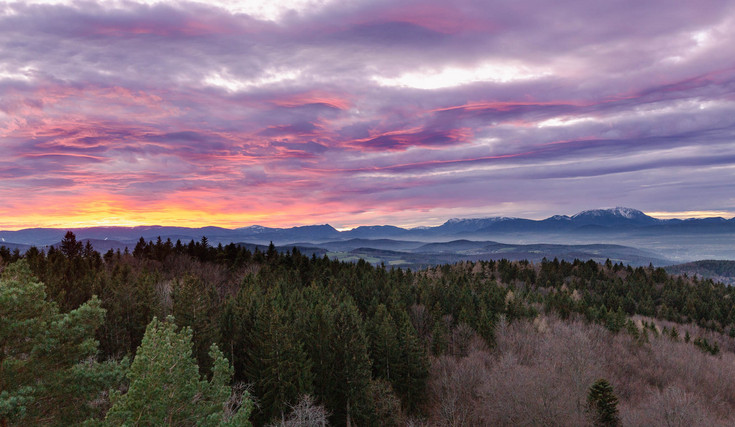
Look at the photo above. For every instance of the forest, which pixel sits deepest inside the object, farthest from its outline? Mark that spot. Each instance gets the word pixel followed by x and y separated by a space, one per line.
pixel 195 334
pixel 719 270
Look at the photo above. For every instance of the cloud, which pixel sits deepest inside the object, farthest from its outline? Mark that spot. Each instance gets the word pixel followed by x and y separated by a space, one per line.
pixel 401 140
pixel 358 111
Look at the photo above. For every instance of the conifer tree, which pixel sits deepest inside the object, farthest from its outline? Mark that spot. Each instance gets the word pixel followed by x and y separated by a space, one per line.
pixel 412 370
pixel 602 404
pixel 167 389
pixel 384 350
pixel 320 317
pixel 285 368
pixel 196 305
pixel 439 337
pixel 349 364
pixel 44 377
pixel 70 247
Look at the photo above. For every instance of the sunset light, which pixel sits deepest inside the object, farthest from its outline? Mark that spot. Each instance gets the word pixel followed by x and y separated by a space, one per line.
pixel 296 213
pixel 234 113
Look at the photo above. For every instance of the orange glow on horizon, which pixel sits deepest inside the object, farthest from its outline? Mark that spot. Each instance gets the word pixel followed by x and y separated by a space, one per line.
pixel 172 216
pixel 691 214
pixel 191 209
pixel 110 213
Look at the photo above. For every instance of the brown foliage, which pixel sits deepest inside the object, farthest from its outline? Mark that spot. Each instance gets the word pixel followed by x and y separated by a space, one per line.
pixel 540 371
pixel 306 413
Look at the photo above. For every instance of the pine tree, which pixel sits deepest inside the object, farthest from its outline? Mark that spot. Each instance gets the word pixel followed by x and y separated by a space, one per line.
pixel 166 387
pixel 602 404
pixel 674 334
pixel 318 343
pixel 44 378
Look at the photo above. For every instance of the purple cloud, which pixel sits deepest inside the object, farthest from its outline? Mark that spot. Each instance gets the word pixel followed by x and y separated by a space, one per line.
pixel 360 111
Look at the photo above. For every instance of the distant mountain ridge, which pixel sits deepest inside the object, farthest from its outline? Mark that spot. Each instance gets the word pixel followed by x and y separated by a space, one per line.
pixel 590 221
pixel 619 218
pixel 617 215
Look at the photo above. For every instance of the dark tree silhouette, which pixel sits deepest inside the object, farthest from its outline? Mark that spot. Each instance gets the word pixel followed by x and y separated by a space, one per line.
pixel 603 404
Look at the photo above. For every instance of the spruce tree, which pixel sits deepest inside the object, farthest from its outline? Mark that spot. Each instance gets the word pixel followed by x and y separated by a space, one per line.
pixel 384 349
pixel 196 305
pixel 285 368
pixel 412 369
pixel 349 364
pixel 69 245
pixel 602 404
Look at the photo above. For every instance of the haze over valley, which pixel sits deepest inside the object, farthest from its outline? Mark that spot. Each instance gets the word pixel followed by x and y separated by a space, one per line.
pixel 299 213
pixel 619 234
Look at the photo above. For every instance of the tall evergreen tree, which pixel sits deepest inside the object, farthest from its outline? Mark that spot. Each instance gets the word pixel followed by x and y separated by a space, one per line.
pixel 285 368
pixel 167 389
pixel 196 306
pixel 44 378
pixel 602 404
pixel 384 350
pixel 69 245
pixel 412 370
pixel 348 360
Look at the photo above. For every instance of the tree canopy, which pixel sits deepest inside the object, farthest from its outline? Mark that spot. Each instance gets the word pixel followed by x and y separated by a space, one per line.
pixel 166 387
pixel 48 371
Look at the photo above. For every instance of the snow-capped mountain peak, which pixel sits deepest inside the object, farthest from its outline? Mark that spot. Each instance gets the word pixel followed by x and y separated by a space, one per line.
pixel 255 228
pixel 619 211
pixel 613 216
pixel 476 220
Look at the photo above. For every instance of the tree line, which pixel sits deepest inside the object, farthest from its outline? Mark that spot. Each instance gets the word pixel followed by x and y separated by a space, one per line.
pixel 262 330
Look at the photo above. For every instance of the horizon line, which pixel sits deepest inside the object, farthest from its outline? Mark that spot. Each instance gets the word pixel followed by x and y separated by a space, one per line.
pixel 661 215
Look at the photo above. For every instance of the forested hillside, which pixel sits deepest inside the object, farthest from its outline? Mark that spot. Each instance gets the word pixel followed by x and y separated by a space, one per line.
pixel 282 338
pixel 718 270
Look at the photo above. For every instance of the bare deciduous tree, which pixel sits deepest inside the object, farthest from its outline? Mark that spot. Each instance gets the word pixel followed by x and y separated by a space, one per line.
pixel 540 371
pixel 305 413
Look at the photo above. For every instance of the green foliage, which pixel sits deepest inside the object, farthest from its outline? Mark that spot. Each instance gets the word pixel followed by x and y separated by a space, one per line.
pixel 602 404
pixel 412 367
pixel 166 387
pixel 69 245
pixel 350 373
pixel 439 337
pixel 355 336
pixel 47 369
pixel 614 320
pixel 284 366
pixel 706 346
pixel 194 306
pixel 384 348
pixel 674 333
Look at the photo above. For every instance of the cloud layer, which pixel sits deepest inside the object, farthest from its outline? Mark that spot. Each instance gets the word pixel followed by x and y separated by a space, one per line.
pixel 363 112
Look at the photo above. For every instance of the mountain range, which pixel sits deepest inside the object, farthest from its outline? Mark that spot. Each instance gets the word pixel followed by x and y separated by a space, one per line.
pixel 664 239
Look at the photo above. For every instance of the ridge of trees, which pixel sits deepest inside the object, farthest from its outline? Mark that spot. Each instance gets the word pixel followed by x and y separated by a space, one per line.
pixel 718 270
pixel 358 340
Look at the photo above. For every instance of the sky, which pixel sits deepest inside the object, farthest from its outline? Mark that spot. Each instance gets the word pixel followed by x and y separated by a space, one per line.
pixel 235 113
